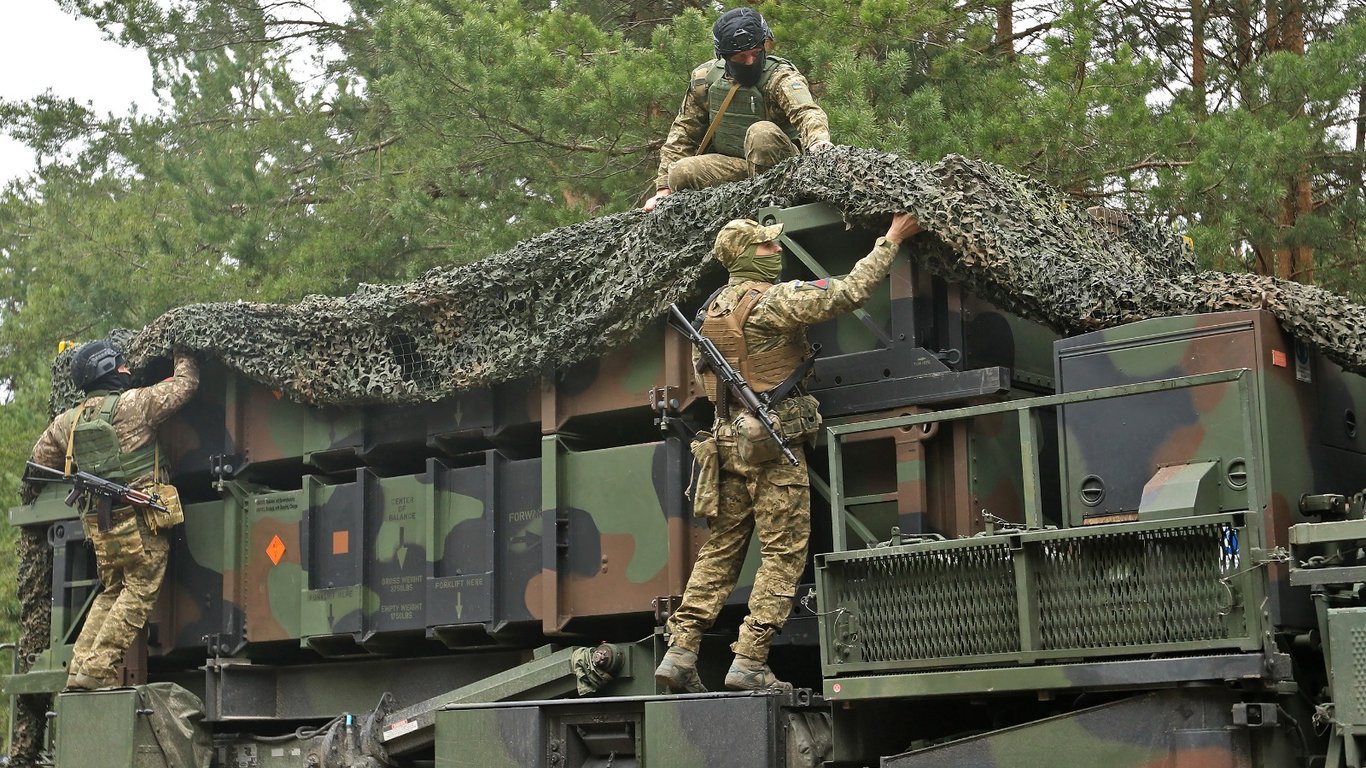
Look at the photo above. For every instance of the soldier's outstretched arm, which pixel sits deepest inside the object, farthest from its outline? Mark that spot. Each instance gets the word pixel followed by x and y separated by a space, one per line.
pixel 157 402
pixel 798 303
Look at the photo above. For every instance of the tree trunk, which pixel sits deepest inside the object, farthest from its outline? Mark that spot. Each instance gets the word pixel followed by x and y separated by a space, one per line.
pixel 1005 29
pixel 1299 197
pixel 1241 18
pixel 1198 57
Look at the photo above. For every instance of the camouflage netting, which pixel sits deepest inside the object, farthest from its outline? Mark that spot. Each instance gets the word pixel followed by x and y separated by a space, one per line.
pixel 569 294
pixel 35 610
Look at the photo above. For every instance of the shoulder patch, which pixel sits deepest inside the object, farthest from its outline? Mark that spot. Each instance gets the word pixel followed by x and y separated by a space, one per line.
pixel 810 285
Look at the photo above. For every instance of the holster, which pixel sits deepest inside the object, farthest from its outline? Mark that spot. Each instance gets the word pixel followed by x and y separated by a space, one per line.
pixel 705 489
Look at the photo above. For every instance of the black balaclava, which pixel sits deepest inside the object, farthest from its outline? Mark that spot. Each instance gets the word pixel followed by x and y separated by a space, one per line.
pixel 747 75
pixel 741 29
pixel 113 381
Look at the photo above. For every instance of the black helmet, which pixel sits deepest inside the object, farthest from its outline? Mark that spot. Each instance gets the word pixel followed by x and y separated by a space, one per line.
pixel 739 29
pixel 93 361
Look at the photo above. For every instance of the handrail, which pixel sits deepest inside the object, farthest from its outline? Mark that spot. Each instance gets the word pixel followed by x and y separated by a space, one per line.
pixel 1026 413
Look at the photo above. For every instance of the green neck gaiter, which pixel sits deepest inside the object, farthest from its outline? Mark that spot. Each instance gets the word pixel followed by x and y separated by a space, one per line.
pixel 751 266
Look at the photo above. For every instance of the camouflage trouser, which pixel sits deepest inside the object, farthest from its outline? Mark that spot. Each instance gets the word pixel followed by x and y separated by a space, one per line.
pixel 765 146
pixel 774 500
pixel 131 561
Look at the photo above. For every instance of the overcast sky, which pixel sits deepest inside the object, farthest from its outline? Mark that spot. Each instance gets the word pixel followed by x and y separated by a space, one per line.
pixel 41 47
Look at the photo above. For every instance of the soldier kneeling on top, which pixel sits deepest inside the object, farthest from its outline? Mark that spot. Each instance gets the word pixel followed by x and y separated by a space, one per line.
pixel 745 111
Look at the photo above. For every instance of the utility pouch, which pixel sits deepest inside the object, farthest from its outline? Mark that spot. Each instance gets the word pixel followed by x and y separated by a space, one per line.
pixel 167 496
pixel 121 545
pixel 801 419
pixel 705 489
pixel 753 443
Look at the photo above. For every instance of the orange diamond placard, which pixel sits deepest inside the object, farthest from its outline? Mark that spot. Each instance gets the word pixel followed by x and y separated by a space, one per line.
pixel 275 549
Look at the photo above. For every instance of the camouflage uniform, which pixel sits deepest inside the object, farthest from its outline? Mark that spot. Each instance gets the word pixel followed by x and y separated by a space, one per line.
pixel 130 565
pixel 773 498
pixel 790 109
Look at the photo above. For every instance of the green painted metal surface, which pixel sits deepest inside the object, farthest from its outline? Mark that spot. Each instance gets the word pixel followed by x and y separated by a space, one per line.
pixel 102 729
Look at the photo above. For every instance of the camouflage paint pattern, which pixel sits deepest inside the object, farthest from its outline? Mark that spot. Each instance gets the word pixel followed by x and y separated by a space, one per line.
pixel 723 730
pixel 1174 729
pixel 626 531
pixel 608 394
pixel 540 507
pixel 1302 438
pixel 270 438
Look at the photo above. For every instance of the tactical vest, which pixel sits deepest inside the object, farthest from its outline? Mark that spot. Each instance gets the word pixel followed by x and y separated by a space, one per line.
pixel 748 107
pixel 726 329
pixel 95 447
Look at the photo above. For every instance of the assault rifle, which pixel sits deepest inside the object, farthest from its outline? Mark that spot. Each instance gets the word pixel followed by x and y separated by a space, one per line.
pixel 102 493
pixel 755 403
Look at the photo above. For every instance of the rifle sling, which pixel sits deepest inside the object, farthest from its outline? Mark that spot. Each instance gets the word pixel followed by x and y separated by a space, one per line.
pixel 798 374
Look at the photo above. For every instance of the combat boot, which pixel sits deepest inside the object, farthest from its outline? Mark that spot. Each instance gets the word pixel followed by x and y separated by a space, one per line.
pixel 678 671
pixel 79 681
pixel 746 674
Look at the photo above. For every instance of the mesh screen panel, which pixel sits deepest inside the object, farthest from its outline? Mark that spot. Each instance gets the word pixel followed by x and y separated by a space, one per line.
pixel 926 605
pixel 1101 591
pixel 1134 588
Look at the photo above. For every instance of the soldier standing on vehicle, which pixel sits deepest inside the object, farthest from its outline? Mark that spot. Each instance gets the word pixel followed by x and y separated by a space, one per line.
pixel 744 112
pixel 113 434
pixel 745 485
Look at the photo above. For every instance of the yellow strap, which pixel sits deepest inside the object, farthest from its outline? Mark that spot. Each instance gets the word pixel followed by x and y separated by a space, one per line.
pixel 71 436
pixel 716 121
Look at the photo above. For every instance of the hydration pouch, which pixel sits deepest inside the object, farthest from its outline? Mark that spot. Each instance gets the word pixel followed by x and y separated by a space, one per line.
pixel 705 489
pixel 753 443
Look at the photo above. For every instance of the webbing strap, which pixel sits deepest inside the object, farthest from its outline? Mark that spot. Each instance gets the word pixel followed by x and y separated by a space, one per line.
pixel 71 436
pixel 776 394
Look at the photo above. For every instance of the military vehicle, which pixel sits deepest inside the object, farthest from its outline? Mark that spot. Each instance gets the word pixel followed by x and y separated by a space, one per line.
pixel 1132 547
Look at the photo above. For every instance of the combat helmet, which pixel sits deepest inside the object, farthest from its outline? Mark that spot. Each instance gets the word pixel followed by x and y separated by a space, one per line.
pixel 738 235
pixel 739 29
pixel 93 361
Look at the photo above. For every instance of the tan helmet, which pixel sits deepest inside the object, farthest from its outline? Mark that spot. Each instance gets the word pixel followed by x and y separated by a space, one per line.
pixel 740 234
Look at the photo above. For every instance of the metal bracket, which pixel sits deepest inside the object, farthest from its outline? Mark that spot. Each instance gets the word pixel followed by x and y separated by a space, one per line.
pixel 665 606
pixel 1255 714
pixel 224 467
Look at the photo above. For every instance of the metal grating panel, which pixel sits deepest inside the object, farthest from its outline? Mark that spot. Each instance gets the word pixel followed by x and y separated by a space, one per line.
pixel 1358 651
pixel 1042 595
pixel 926 605
pixel 1134 588
pixel 1347 664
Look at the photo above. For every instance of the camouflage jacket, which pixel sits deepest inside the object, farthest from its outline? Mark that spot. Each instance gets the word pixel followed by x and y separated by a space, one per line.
pixel 140 411
pixel 789 103
pixel 785 310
